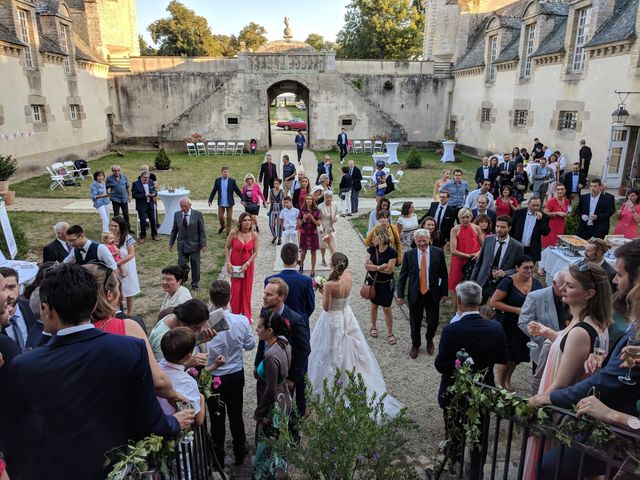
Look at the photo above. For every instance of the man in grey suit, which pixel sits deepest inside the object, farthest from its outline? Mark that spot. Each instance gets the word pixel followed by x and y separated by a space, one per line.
pixel 188 228
pixel 497 258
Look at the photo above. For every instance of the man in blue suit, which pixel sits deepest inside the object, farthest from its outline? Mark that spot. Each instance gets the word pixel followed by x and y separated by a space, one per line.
pixel 145 194
pixel 93 390
pixel 304 300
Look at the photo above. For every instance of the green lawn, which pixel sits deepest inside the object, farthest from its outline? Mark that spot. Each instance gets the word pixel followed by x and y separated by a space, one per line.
pixel 414 183
pixel 293 110
pixel 151 257
pixel 197 173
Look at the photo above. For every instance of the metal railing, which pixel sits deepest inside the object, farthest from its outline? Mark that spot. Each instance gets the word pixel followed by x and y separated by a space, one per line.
pixel 502 449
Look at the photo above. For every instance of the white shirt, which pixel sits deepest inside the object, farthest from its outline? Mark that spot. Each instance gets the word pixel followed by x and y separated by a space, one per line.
pixel 548 153
pixel 472 199
pixel 505 244
pixel 440 212
pixel 290 217
pixel 182 295
pixel 74 329
pixel 188 214
pixel 66 246
pixel 183 383
pixel 529 225
pixel 231 343
pixel 593 202
pixel 420 253
pixel 562 161
pixel 455 318
pixel 485 171
pixel 103 253
pixel 21 324
pixel 146 189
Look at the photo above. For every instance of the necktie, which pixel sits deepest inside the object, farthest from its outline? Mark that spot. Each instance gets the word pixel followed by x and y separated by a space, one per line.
pixel 185 224
pixel 82 250
pixel 423 273
pixel 439 215
pixel 496 258
pixel 68 247
pixel 13 320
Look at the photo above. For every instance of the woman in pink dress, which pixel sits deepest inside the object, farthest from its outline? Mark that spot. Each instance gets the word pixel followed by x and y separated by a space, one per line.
pixel 557 208
pixel 466 242
pixel 629 216
pixel 241 250
pixel 252 197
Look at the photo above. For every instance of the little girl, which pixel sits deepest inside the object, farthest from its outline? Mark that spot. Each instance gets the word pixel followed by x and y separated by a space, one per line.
pixel 110 241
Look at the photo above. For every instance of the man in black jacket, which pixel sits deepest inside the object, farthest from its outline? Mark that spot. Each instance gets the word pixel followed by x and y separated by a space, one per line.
pixel 356 178
pixel 585 155
pixel 342 143
pixel 529 226
pixel 57 250
pixel 444 214
pixel 144 193
pixel 595 210
pixel 574 181
pixel 19 324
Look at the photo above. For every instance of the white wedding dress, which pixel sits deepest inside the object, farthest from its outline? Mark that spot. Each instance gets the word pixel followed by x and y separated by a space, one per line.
pixel 337 343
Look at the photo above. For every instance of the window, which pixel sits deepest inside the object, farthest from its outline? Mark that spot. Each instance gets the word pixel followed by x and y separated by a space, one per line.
pixel 528 50
pixel 493 54
pixel 567 120
pixel 486 115
pixel 232 121
pixel 582 27
pixel 347 122
pixel 23 28
pixel 37 111
pixel 74 112
pixel 520 118
pixel 64 36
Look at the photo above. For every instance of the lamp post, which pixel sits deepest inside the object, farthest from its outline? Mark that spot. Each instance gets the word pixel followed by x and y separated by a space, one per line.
pixel 621 114
pixel 619 118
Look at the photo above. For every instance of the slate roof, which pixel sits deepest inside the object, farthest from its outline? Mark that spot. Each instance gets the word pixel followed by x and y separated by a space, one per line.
pixel 84 53
pixel 7 35
pixel 50 46
pixel 514 10
pixel 554 42
pixel 474 56
pixel 620 26
pixel 553 8
pixel 510 52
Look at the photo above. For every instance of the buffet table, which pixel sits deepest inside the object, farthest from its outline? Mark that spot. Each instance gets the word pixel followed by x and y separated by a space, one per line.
pixel 555 259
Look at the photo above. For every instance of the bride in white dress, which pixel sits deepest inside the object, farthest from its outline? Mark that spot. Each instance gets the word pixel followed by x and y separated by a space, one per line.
pixel 337 343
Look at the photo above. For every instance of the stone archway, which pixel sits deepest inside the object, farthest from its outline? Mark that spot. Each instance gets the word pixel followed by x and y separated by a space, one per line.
pixel 296 88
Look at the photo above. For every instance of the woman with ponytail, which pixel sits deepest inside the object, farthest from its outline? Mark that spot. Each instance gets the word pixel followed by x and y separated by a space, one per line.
pixel 337 342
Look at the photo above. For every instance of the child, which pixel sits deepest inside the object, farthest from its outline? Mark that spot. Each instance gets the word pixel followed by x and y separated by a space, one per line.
pixel 346 184
pixel 381 180
pixel 289 221
pixel 110 241
pixel 177 347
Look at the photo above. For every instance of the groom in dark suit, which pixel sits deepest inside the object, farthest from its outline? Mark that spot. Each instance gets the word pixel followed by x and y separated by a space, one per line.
pixel 425 268
pixel 79 363
pixel 595 210
pixel 188 228
pixel 225 187
pixel 144 191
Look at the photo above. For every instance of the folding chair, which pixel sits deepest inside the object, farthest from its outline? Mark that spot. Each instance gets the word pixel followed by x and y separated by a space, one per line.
pixel 396 179
pixel 239 148
pixel 231 148
pixel 57 180
pixel 211 148
pixel 377 146
pixel 60 169
pixel 367 173
pixel 72 170
pixel 191 149
pixel 368 146
pixel 220 149
pixel 201 150
pixel 357 146
pixel 83 167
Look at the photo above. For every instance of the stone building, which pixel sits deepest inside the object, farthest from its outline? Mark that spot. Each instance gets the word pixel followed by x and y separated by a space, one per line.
pixel 546 69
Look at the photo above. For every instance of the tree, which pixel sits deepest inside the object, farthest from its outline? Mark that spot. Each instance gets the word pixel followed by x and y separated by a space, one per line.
pixel 145 49
pixel 316 41
pixel 226 45
pixel 183 33
pixel 384 29
pixel 253 36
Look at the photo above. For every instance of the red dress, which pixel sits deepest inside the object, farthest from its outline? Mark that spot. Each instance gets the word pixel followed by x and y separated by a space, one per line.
pixel 467 243
pixel 241 288
pixel 111 325
pixel 503 208
pixel 555 223
pixel 627 225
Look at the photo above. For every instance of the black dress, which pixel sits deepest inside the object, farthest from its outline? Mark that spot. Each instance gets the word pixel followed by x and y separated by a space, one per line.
pixel 516 339
pixel 384 281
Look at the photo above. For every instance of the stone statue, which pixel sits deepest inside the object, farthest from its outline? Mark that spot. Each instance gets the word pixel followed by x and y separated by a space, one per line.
pixel 287 30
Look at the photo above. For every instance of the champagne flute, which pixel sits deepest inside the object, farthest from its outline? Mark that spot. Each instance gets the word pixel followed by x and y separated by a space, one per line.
pixel 533 328
pixel 600 348
pixel 634 340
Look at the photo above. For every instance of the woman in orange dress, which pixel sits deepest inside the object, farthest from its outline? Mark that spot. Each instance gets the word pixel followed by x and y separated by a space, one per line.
pixel 241 250
pixel 557 208
pixel 466 242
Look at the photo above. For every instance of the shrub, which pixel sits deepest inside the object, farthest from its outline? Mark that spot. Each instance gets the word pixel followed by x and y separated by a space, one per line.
pixel 8 166
pixel 162 162
pixel 358 82
pixel 571 221
pixel 388 85
pixel 21 242
pixel 414 160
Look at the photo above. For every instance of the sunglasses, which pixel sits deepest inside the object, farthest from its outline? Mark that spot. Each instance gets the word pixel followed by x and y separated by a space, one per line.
pixel 585 268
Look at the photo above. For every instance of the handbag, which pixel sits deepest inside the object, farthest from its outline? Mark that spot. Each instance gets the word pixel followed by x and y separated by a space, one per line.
pixel 368 292
pixel 467 269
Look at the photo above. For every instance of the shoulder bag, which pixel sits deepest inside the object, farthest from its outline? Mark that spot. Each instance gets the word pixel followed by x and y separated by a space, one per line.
pixel 368 292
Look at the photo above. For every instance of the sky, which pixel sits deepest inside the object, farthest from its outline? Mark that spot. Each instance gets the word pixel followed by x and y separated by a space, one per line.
pixel 227 17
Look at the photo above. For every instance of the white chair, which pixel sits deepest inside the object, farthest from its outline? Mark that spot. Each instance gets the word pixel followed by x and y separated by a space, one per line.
pixel 368 147
pixel 220 149
pixel 231 148
pixel 211 148
pixel 201 149
pixel 377 146
pixel 239 148
pixel 357 146
pixel 386 170
pixel 60 169
pixel 396 179
pixel 72 170
pixel 57 180
pixel 367 173
pixel 191 149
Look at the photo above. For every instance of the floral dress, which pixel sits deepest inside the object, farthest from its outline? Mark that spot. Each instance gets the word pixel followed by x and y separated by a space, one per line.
pixel 309 231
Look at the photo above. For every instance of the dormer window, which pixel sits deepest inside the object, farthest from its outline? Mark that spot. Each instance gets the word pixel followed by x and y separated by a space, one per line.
pixel 23 29
pixel 529 37
pixel 64 44
pixel 493 54
pixel 582 27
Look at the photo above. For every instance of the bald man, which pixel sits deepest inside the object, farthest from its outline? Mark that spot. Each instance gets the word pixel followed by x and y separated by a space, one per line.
pixel 188 228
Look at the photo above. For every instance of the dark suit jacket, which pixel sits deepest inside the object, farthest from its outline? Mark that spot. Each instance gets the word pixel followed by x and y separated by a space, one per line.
pixel 356 176
pixel 54 252
pixel 448 219
pixel 194 238
pixel 482 268
pixel 267 178
pixel 301 298
pixel 30 322
pixel 479 177
pixel 490 213
pixel 484 340
pixel 605 208
pixel 321 171
pixel 540 229
pixel 232 188
pixel 410 272
pixel 299 339
pixel 94 391
pixel 613 393
pixel 567 181
pixel 340 141
pixel 137 192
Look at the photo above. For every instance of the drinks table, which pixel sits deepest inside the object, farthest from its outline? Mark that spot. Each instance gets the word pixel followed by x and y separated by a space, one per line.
pixel 392 150
pixel 171 202
pixel 448 156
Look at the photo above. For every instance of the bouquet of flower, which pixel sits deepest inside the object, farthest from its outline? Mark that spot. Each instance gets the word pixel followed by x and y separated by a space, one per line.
pixel 318 282
pixel 206 382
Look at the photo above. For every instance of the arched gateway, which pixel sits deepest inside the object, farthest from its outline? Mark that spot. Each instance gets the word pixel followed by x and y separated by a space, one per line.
pixel 299 90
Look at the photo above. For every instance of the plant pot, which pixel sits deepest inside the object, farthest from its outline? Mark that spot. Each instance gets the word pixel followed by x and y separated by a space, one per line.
pixel 4 185
pixel 9 197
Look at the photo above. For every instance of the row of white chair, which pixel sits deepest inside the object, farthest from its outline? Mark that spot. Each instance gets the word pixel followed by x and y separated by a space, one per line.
pixel 358 146
pixel 215 148
pixel 369 173
pixel 61 172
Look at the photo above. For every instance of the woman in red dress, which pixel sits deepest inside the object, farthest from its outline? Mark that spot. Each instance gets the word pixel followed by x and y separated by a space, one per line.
pixel 466 242
pixel 506 203
pixel 557 208
pixel 629 217
pixel 241 250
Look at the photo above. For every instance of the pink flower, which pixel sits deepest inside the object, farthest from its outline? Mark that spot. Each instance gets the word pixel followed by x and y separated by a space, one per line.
pixel 193 372
pixel 458 364
pixel 216 382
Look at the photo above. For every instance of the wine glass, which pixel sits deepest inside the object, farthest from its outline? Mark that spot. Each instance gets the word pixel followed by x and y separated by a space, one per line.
pixel 600 348
pixel 634 340
pixel 534 330
pixel 186 405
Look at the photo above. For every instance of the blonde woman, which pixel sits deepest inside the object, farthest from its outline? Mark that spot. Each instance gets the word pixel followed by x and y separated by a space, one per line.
pixel 445 176
pixel 466 242
pixel 328 218
pixel 252 196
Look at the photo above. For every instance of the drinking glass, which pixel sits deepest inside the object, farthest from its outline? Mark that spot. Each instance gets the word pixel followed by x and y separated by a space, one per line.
pixel 531 344
pixel 634 340
pixel 601 348
pixel 186 405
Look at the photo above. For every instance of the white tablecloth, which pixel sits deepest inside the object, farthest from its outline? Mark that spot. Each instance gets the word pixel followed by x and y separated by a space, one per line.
pixel 171 202
pixel 392 150
pixel 553 260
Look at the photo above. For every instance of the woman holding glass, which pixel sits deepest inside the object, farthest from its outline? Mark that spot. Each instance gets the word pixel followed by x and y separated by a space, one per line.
pixel 557 208
pixel 629 216
pixel 252 197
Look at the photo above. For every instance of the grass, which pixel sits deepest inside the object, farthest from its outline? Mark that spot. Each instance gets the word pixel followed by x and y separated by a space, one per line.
pixel 151 257
pixel 295 113
pixel 197 173
pixel 414 183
